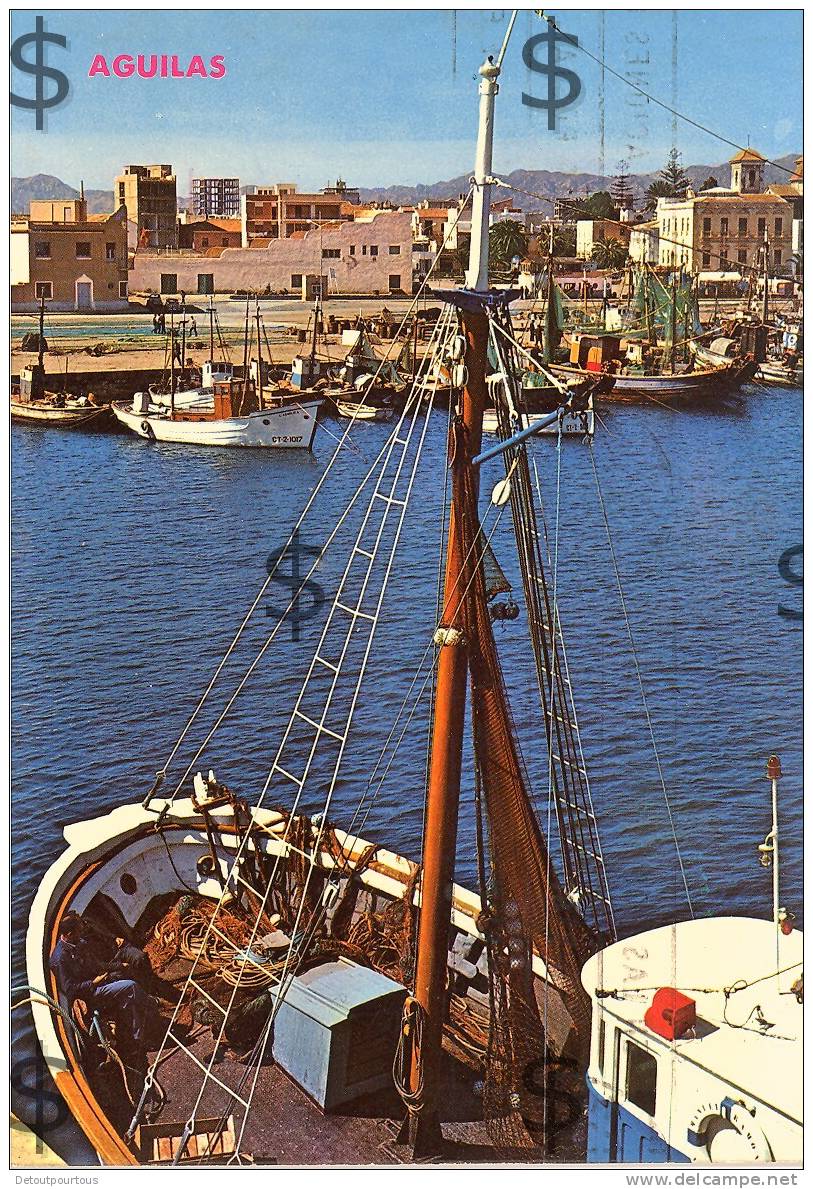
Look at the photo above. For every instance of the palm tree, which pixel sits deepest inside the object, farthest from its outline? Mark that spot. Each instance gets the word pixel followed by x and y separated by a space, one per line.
pixel 609 253
pixel 506 240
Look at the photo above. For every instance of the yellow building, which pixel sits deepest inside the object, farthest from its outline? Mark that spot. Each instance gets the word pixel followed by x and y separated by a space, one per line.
pixel 73 260
pixel 724 229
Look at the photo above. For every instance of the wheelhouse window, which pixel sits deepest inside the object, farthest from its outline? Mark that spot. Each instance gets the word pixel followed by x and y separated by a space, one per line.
pixel 602 1040
pixel 642 1076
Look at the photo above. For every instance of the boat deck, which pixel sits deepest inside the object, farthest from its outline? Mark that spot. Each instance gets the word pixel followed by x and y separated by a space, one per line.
pixel 284 1125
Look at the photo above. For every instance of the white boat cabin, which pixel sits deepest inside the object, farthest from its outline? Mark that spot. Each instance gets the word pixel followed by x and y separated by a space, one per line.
pixel 697 1045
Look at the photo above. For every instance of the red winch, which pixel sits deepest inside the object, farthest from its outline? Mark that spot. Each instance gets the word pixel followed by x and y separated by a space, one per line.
pixel 672 1013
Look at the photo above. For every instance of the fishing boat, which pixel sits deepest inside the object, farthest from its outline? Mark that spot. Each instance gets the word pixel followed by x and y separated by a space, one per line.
pixel 634 381
pixel 781 370
pixel 33 404
pixel 696 1034
pixel 325 999
pixel 225 411
pixel 644 360
pixel 364 386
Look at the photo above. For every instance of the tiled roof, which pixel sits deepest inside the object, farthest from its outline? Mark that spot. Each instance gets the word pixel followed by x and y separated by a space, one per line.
pixel 746 155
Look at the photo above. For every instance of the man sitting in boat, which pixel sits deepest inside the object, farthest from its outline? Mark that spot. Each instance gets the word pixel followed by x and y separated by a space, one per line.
pixel 113 988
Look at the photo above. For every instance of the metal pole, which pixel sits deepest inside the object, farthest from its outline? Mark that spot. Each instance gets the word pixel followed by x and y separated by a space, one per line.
pixel 774 772
pixel 259 358
pixel 172 364
pixel 765 281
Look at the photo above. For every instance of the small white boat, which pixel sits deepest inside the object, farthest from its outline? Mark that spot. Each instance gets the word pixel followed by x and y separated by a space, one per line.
pixel 291 426
pixel 574 423
pixel 358 411
pixel 774 371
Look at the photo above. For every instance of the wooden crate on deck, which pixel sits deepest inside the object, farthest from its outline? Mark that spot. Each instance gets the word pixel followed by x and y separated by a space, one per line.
pixel 158 1142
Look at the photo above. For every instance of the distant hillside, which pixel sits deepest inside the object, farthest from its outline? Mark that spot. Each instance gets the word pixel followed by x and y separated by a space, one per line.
pixel 553 184
pixel 548 183
pixel 43 185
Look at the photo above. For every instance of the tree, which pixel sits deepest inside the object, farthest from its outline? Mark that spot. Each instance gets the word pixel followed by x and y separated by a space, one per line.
pixel 506 240
pixel 621 190
pixel 609 253
pixel 564 241
pixel 671 182
pixel 601 206
pixel 710 183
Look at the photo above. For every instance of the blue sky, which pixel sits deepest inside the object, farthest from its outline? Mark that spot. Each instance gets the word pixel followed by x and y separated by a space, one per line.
pixel 389 97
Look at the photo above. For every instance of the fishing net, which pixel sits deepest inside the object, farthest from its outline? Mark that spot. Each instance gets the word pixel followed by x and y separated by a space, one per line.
pixel 540 1029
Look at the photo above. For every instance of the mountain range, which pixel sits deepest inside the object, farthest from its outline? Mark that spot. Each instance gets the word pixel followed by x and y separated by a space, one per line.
pixel 543 182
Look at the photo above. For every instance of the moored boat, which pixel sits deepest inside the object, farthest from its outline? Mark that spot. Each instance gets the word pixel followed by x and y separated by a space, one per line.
pixel 32 404
pixel 290 426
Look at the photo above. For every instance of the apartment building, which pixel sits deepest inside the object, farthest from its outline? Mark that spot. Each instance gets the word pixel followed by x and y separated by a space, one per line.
pixel 150 196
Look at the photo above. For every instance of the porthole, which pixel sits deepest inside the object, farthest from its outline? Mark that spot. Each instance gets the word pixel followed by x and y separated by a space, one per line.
pixel 128 884
pixel 205 866
pixel 266 421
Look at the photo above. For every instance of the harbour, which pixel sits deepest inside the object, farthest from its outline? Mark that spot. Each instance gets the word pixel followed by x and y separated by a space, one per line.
pixel 682 493
pixel 419 688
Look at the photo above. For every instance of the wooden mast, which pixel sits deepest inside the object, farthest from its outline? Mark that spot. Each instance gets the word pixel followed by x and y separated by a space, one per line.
pixel 443 793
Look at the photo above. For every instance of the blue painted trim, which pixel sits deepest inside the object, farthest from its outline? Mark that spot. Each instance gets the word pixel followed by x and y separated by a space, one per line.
pixel 635 1142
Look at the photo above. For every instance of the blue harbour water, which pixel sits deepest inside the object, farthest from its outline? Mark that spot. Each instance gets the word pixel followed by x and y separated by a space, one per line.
pixel 133 564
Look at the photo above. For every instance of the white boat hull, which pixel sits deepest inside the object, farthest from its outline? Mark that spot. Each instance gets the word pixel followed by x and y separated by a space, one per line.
pixel 289 427
pixel 124 844
pixel 574 424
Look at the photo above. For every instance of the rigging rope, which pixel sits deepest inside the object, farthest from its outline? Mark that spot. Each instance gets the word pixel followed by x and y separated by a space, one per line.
pixel 308 505
pixel 640 679
pixel 412 404
pixel 660 103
